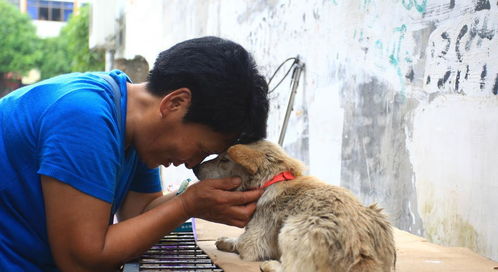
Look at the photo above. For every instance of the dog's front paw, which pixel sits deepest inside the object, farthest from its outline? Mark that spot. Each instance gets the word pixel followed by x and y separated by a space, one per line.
pixel 270 266
pixel 226 244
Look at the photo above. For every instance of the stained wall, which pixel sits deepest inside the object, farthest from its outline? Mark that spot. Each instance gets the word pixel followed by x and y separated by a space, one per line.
pixel 397 102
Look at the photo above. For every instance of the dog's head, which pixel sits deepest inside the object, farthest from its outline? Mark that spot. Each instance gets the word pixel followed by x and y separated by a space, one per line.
pixel 254 163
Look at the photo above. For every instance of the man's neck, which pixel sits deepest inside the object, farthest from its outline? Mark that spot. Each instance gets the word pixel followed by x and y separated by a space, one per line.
pixel 140 104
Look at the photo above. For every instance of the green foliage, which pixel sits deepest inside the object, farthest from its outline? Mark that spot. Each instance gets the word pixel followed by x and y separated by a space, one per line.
pixel 21 50
pixel 18 41
pixel 75 33
pixel 55 58
pixel 69 51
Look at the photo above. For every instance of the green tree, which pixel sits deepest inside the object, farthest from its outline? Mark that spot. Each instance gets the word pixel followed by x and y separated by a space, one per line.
pixel 54 60
pixel 76 34
pixel 69 51
pixel 18 40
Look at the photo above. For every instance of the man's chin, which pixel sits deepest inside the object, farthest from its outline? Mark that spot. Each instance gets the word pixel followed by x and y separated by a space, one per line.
pixel 153 165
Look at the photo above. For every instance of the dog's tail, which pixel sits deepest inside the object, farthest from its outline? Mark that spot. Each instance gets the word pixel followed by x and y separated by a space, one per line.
pixel 385 246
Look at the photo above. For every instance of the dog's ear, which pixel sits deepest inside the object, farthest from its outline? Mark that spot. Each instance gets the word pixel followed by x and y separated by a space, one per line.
pixel 246 156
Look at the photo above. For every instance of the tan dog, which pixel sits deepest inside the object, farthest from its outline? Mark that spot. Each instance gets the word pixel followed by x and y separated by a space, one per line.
pixel 306 224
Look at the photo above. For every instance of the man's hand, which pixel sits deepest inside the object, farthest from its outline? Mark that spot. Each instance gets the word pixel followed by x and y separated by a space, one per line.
pixel 213 200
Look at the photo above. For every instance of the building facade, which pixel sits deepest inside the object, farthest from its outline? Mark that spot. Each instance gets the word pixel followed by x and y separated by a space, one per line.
pixel 48 16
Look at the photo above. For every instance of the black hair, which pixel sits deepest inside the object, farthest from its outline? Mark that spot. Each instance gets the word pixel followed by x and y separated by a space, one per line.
pixel 229 95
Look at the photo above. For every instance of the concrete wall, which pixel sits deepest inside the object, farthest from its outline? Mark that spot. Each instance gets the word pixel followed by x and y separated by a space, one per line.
pixel 398 100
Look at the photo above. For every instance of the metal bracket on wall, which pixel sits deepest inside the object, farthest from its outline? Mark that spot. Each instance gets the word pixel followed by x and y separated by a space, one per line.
pixel 297 68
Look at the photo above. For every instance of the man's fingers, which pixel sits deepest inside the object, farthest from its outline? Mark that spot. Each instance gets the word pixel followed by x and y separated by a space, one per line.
pixel 242 198
pixel 242 213
pixel 221 204
pixel 235 198
pixel 225 183
pixel 237 223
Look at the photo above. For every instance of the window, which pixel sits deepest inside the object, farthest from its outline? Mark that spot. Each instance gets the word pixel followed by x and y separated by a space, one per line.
pixel 49 10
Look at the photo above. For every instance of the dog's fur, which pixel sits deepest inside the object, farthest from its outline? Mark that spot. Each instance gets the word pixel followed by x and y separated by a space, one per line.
pixel 306 224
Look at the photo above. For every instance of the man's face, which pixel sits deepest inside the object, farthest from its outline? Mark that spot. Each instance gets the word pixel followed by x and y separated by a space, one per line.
pixel 163 138
pixel 183 143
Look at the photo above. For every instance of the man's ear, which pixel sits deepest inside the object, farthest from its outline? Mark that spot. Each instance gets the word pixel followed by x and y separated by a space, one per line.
pixel 176 100
pixel 249 158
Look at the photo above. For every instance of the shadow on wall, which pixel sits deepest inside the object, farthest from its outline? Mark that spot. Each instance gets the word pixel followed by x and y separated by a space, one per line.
pixel 376 164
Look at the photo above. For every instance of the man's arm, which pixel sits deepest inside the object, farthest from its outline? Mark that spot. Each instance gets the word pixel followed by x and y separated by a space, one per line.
pixel 82 240
pixel 136 203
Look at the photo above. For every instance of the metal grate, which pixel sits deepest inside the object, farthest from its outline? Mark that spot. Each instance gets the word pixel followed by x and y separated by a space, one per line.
pixel 177 251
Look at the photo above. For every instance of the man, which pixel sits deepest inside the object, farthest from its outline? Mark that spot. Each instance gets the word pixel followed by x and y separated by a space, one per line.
pixel 74 151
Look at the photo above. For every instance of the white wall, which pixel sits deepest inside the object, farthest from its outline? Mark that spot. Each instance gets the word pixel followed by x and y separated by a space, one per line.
pixel 48 29
pixel 397 102
pixel 104 24
pixel 453 151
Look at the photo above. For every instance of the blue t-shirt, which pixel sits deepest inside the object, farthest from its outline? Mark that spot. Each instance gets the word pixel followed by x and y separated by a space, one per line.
pixel 66 128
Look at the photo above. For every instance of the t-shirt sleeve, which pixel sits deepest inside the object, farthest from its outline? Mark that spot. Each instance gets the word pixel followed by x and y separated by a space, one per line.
pixel 79 143
pixel 146 180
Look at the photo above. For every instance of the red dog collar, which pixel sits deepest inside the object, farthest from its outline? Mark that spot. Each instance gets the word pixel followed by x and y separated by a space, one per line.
pixel 278 178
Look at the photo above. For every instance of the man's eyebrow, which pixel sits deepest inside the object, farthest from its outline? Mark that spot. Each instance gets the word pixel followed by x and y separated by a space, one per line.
pixel 219 151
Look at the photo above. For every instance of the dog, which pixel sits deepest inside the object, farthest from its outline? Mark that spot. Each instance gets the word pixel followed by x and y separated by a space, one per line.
pixel 304 223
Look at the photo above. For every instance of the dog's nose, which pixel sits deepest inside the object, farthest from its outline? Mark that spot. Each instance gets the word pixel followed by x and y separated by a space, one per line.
pixel 196 170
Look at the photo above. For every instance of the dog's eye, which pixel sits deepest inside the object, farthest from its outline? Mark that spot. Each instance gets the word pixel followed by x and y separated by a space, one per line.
pixel 224 160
